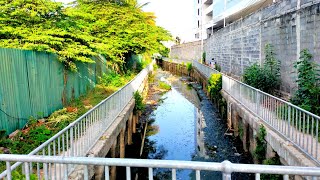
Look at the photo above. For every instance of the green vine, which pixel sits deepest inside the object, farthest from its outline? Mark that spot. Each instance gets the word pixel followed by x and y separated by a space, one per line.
pixel 260 151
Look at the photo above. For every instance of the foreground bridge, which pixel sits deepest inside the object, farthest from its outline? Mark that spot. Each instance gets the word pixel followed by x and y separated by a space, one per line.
pixel 110 124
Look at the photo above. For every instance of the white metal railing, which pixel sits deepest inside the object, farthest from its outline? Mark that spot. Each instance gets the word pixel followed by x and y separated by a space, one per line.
pixel 81 135
pixel 295 124
pixel 226 167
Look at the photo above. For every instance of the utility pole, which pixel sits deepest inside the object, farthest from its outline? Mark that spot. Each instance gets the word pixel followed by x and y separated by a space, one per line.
pixel 201 31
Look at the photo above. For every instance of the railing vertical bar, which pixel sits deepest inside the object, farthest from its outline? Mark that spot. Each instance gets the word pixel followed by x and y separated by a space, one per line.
pixel 128 173
pixel 312 133
pixel 197 174
pixel 8 167
pixel 317 138
pixel 38 171
pixel 257 177
pixel 150 173
pixel 286 177
pixel 308 133
pixel 174 174
pixel 296 127
pixel 300 128
pixel 27 170
pixel 66 171
pixel 304 128
pixel 54 165
pixel 106 172
pixel 86 174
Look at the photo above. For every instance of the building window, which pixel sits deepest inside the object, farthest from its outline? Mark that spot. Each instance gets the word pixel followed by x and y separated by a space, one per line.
pixel 198 24
pixel 198 1
pixel 198 12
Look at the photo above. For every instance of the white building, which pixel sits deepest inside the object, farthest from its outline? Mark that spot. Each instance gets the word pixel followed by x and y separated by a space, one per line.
pixel 212 15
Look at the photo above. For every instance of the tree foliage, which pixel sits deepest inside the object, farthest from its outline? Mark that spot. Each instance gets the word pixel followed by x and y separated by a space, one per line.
pixel 82 30
pixel 308 94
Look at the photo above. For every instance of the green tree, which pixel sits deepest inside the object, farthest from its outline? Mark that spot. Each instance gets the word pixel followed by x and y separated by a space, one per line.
pixel 84 29
pixel 307 95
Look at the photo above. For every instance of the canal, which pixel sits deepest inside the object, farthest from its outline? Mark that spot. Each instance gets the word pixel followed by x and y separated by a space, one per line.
pixel 184 125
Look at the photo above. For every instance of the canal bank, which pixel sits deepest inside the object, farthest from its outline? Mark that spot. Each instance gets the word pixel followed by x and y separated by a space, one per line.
pixel 183 124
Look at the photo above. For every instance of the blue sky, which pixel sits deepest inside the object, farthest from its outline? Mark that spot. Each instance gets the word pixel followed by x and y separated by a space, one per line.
pixel 174 15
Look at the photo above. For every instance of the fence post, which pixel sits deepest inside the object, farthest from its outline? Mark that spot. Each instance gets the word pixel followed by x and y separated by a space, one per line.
pixel 226 170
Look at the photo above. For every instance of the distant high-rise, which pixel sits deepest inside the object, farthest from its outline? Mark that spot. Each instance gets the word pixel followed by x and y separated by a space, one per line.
pixel 212 15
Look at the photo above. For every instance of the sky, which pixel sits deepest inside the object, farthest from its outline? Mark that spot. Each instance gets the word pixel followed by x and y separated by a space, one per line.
pixel 176 16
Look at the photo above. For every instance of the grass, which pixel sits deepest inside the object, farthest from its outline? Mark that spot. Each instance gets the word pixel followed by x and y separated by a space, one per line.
pixel 164 85
pixel 37 131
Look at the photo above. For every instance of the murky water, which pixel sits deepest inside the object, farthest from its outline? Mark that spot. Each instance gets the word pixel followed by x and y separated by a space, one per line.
pixel 184 128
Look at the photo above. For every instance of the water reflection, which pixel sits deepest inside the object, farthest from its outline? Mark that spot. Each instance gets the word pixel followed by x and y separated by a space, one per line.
pixel 184 128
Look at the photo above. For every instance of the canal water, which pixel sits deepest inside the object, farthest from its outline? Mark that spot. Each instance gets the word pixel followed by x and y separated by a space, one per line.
pixel 185 125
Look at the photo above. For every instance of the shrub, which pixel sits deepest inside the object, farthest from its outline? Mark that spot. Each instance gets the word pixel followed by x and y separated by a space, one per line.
pixel 266 78
pixel 307 95
pixel 203 57
pixel 217 67
pixel 215 85
pixel 272 161
pixel 164 85
pixel 189 67
pixel 139 105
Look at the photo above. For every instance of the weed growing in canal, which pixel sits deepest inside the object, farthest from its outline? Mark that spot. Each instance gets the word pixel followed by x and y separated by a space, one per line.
pixel 139 105
pixel 164 86
pixel 215 85
pixel 260 151
pixel 189 68
pixel 272 161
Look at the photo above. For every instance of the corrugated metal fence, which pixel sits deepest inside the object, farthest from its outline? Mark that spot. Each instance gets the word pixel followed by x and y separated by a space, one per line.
pixel 36 84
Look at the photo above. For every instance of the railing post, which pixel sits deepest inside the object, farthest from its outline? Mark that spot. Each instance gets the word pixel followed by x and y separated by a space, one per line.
pixel 226 170
pixel 71 141
pixel 289 120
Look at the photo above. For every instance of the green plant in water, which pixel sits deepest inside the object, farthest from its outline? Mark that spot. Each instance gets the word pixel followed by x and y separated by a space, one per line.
pixel 164 85
pixel 189 67
pixel 272 161
pixel 215 85
pixel 308 94
pixel 260 151
pixel 139 105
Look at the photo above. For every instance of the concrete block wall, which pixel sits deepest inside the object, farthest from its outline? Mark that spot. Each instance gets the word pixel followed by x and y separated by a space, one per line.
pixel 289 25
pixel 186 51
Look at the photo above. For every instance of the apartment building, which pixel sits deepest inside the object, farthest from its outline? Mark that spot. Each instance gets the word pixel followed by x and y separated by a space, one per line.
pixel 212 15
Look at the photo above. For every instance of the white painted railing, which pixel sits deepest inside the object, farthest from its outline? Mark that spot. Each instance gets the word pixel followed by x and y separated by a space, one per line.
pixel 226 167
pixel 295 124
pixel 81 135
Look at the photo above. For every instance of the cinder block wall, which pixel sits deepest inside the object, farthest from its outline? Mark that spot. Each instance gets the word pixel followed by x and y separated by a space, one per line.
pixel 290 26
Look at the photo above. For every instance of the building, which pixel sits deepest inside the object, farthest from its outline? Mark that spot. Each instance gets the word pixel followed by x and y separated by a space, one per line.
pixel 212 15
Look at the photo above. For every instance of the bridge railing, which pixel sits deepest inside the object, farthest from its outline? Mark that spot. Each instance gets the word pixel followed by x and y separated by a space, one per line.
pixel 297 125
pixel 226 167
pixel 205 70
pixel 81 135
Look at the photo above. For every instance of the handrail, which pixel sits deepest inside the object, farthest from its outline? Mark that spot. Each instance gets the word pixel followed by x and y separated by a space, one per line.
pixel 80 136
pixel 226 167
